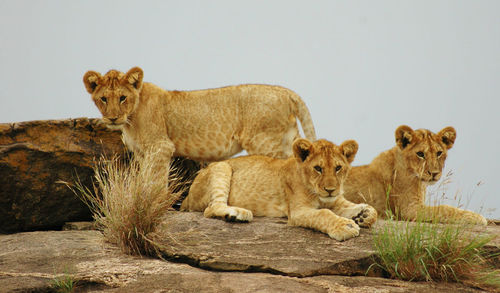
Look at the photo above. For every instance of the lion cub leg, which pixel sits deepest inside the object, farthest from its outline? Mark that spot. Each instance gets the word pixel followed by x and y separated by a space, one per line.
pixel 324 220
pixel 156 156
pixel 219 184
pixel 444 214
pixel 363 214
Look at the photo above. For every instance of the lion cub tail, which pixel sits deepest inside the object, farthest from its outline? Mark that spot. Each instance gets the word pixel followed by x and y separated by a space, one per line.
pixel 302 112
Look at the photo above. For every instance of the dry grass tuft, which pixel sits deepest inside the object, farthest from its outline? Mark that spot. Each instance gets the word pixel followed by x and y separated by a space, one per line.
pixel 129 200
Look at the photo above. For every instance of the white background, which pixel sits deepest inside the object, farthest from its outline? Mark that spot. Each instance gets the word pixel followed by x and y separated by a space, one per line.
pixel 362 67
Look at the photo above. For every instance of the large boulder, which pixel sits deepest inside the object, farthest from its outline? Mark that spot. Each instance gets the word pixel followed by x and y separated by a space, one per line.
pixel 270 245
pixel 210 255
pixel 263 245
pixel 36 156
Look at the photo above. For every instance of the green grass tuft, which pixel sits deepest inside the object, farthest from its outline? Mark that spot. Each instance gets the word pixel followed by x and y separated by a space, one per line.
pixel 428 251
pixel 63 284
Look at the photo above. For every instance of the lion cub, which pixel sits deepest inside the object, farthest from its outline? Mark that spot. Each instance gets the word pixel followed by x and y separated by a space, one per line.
pixel 306 188
pixel 397 179
pixel 203 125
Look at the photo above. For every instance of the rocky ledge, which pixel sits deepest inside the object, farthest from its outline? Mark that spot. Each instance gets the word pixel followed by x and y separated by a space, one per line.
pixel 198 254
pixel 206 255
pixel 36 156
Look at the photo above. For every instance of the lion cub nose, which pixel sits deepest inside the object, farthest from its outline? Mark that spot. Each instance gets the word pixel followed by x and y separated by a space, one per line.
pixel 329 190
pixel 113 120
pixel 433 174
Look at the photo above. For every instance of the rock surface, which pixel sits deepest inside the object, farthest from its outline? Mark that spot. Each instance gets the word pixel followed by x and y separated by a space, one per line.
pixel 200 255
pixel 210 256
pixel 263 245
pixel 270 245
pixel 36 155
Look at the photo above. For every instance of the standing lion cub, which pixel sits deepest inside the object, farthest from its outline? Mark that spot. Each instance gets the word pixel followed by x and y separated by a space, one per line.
pixel 397 179
pixel 203 125
pixel 306 188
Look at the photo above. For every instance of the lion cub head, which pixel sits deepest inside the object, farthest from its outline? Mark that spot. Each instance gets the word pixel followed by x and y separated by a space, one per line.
pixel 423 153
pixel 115 94
pixel 324 166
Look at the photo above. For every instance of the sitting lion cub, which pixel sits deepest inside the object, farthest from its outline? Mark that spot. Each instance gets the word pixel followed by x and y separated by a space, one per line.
pixel 203 125
pixel 397 179
pixel 306 188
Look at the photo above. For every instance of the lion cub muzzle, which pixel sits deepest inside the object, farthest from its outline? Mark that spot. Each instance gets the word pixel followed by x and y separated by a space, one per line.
pixel 329 190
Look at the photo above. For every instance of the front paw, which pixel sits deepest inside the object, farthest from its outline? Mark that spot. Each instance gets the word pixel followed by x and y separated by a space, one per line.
pixel 235 214
pixel 343 229
pixel 366 217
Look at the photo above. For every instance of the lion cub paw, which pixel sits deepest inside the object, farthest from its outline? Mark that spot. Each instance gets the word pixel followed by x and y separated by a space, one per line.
pixel 344 229
pixel 366 217
pixel 473 218
pixel 235 214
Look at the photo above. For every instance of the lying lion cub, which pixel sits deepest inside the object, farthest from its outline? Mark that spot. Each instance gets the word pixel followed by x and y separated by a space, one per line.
pixel 306 188
pixel 397 179
pixel 203 125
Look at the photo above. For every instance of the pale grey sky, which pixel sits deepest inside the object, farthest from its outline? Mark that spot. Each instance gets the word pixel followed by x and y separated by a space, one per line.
pixel 362 67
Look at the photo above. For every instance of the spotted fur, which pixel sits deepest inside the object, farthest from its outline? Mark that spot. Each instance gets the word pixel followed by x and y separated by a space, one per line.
pixel 204 125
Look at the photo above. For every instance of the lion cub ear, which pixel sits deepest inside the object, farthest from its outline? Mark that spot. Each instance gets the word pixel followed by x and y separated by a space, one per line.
pixel 349 148
pixel 448 136
pixel 301 149
pixel 134 77
pixel 404 136
pixel 91 80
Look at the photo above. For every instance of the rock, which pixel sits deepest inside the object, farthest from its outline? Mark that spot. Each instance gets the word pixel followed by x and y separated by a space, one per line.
pixel 274 252
pixel 270 245
pixel 79 226
pixel 494 222
pixel 35 156
pixel 263 245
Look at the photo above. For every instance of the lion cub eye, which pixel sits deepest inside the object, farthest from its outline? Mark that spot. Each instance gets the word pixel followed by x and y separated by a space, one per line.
pixel 439 153
pixel 338 168
pixel 318 168
pixel 421 155
pixel 104 100
pixel 122 99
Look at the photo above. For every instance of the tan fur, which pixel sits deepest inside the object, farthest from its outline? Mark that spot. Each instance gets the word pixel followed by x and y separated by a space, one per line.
pixel 403 173
pixel 204 125
pixel 306 188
